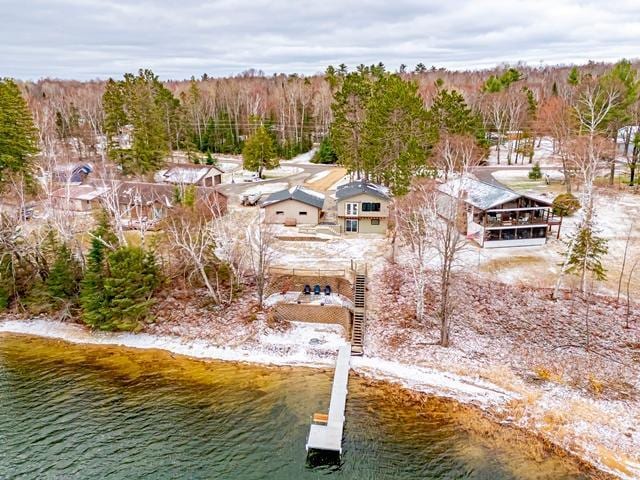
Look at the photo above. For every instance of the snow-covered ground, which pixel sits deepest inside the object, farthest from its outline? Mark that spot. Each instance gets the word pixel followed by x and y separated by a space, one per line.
pixel 331 254
pixel 318 176
pixel 542 153
pixel 265 188
pixel 530 349
pixel 616 214
pixel 304 344
pixel 303 157
pixel 228 166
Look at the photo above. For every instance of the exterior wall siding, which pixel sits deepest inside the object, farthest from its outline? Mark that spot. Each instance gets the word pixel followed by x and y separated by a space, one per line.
pixel 365 226
pixel 364 218
pixel 291 210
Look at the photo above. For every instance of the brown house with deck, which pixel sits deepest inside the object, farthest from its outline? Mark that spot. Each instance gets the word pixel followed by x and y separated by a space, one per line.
pixel 500 217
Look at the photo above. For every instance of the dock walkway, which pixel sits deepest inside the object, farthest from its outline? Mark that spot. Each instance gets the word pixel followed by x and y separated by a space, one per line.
pixel 329 436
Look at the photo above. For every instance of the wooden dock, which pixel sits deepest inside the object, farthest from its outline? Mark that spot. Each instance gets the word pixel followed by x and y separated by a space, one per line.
pixel 329 436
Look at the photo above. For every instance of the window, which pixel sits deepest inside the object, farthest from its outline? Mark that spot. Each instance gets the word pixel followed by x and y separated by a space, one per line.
pixel 351 209
pixel 302 213
pixel 279 212
pixel 370 207
pixel 375 221
pixel 351 225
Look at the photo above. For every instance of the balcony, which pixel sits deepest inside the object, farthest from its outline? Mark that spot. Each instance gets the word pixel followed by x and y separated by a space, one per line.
pixel 514 222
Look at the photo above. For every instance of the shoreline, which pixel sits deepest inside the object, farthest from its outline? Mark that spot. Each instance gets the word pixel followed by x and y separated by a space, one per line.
pixel 489 398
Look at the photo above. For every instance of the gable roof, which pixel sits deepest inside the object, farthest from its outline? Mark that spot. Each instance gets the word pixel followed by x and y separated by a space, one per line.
pixel 186 173
pixel 143 193
pixel 298 193
pixel 480 194
pixel 80 192
pixel 352 189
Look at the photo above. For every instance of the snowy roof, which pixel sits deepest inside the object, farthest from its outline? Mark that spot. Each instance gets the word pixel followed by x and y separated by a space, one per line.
pixel 299 193
pixel 360 186
pixel 477 193
pixel 80 192
pixel 143 193
pixel 186 174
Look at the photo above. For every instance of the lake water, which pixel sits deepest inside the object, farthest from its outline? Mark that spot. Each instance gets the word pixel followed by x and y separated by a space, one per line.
pixel 78 411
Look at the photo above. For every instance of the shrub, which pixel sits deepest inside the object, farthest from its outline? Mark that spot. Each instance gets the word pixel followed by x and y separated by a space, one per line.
pixel 325 154
pixel 535 173
pixel 595 385
pixel 543 373
pixel 565 204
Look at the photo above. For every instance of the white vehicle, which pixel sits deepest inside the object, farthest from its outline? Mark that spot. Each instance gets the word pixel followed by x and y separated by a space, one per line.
pixel 250 177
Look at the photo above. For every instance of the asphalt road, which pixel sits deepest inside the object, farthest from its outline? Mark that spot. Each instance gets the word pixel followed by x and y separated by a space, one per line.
pixel 236 189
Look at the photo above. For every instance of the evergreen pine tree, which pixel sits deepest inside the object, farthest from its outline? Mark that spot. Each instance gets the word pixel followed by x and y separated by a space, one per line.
pixel 325 153
pixel 398 134
pixel 574 77
pixel 349 116
pixel 451 114
pixel 128 288
pixel 63 282
pixel 586 255
pixel 535 173
pixel 259 152
pixel 18 134
pixel 142 102
pixel 92 296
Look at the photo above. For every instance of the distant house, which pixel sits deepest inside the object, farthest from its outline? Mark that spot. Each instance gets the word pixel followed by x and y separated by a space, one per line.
pixel 295 206
pixel 499 217
pixel 74 173
pixel 190 174
pixel 362 207
pixel 79 198
pixel 150 202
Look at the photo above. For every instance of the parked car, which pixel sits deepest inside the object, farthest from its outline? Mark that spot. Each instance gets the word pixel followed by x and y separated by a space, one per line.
pixel 250 177
pixel 249 200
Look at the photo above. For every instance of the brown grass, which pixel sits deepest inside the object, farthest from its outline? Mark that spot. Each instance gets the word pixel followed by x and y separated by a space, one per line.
pixel 323 184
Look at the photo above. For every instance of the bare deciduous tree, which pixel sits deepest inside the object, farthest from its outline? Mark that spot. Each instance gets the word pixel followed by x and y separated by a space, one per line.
pixel 190 233
pixel 260 238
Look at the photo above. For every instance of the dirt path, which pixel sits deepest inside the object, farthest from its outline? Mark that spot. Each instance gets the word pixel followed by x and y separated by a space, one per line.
pixel 323 183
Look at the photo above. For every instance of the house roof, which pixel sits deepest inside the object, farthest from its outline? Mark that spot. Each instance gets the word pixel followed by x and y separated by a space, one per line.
pixel 185 173
pixel 143 193
pixel 80 192
pixel 480 194
pixel 71 172
pixel 298 193
pixel 352 189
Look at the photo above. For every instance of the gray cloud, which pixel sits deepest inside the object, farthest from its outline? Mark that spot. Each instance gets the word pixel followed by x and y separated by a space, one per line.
pixel 99 38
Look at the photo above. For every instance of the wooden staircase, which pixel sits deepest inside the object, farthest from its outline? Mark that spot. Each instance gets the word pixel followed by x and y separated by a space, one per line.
pixel 357 329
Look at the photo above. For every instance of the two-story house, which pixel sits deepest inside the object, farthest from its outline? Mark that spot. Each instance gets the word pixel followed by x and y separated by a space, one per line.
pixel 496 216
pixel 362 207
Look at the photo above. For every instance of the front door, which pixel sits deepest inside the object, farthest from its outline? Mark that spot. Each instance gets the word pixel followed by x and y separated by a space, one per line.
pixel 351 225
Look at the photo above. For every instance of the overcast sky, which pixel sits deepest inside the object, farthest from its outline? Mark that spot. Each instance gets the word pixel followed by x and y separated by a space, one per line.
pixel 86 39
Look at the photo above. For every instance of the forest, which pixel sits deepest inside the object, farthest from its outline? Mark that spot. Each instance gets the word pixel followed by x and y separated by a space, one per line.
pixel 387 127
